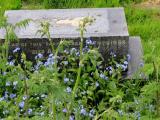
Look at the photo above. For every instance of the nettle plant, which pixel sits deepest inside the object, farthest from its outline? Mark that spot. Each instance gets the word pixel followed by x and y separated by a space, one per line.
pixel 70 84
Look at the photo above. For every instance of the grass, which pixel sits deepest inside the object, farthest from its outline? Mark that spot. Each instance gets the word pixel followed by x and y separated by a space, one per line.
pixel 10 4
pixel 26 5
pixel 77 3
pixel 146 24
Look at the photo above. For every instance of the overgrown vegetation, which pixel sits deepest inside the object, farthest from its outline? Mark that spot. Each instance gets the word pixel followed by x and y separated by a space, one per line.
pixel 145 23
pixel 75 86
pixel 72 83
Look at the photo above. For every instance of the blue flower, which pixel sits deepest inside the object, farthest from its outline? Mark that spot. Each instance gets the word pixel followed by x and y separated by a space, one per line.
pixel 64 110
pixel 91 113
pixel 118 65
pixel 4 73
pixel 110 69
pixel 97 84
pixel 120 112
pixel 66 51
pixel 50 55
pixel 65 62
pixel 12 95
pixel 50 61
pixel 71 117
pixel 90 42
pixel 113 54
pixel 73 50
pixel 38 65
pixel 86 49
pixel 25 97
pixel 11 63
pixel 21 104
pixel 83 112
pixel 138 115
pixel 16 50
pixel 66 80
pixel 124 67
pixel 6 94
pixel 29 111
pixel 103 76
pixel 68 90
pixel 39 56
pixel 1 99
pixel 8 83
pixel 125 63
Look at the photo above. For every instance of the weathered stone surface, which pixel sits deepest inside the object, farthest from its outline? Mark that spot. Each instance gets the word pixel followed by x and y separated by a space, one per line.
pixel 108 22
pixel 109 29
pixel 136 54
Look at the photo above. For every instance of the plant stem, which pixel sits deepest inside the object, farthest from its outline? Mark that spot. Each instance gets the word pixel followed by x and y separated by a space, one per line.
pixel 55 64
pixel 98 117
pixel 6 44
pixel 50 42
pixel 52 106
pixel 80 65
pixel 27 94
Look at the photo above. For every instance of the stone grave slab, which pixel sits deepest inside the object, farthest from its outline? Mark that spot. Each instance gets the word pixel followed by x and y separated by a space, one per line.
pixel 109 29
pixel 136 58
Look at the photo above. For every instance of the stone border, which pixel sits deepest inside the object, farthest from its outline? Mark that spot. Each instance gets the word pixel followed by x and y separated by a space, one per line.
pixel 136 60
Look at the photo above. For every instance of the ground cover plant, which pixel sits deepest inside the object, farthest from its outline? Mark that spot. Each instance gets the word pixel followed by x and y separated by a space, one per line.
pixel 73 84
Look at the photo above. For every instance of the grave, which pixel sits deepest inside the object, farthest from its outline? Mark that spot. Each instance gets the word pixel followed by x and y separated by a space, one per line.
pixel 109 30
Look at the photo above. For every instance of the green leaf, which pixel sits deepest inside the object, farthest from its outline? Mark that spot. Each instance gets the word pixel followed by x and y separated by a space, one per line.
pixel 96 74
pixel 23 23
